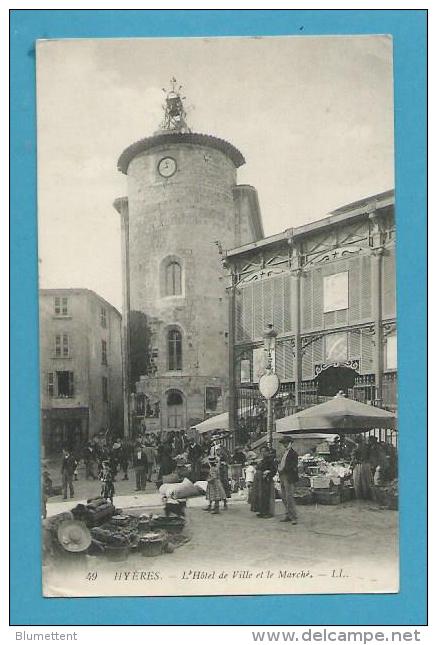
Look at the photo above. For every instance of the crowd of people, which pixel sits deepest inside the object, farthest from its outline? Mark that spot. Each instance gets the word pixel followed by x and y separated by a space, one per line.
pixel 160 459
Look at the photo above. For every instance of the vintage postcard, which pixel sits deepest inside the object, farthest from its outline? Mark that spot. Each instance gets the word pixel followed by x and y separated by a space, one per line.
pixel 218 355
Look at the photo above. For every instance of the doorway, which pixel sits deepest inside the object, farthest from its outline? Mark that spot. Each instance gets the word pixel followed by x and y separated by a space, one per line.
pixel 333 379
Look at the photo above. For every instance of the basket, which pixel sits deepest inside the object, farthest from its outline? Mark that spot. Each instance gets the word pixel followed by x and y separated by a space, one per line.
pixel 153 543
pixel 327 497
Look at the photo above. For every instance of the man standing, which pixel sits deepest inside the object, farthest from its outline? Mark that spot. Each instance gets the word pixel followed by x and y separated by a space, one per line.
pixel 67 471
pixel 194 458
pixel 288 476
pixel 139 463
pixel 150 453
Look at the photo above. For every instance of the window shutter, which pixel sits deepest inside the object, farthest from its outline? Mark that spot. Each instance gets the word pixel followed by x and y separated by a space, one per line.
pixel 288 362
pixel 278 303
pixel 365 285
pixel 317 346
pixel 307 363
pixel 267 303
pixel 247 313
pixel 50 384
pixel 354 344
pixel 317 284
pixel 239 330
pixel 287 303
pixel 257 310
pixel 279 360
pixel 366 353
pixel 355 287
pixel 388 284
pixel 306 299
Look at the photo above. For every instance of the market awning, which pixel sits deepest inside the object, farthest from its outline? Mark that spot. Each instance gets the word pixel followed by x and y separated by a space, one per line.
pixel 340 415
pixel 219 421
pixel 303 435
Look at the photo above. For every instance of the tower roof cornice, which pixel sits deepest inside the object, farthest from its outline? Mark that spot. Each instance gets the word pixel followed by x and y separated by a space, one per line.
pixel 193 138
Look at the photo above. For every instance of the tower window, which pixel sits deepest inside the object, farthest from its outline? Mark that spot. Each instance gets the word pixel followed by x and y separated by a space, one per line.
pixel 174 344
pixel 173 279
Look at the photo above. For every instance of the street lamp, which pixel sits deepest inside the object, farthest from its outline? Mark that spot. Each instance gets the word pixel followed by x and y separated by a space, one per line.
pixel 269 382
pixel 269 344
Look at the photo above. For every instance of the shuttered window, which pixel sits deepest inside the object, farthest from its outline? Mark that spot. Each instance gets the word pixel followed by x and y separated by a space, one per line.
pixel 388 284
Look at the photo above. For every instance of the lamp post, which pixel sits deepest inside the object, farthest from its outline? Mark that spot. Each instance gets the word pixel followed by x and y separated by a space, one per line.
pixel 269 382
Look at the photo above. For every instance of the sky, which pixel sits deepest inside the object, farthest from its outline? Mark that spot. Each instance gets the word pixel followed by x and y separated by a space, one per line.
pixel 313 117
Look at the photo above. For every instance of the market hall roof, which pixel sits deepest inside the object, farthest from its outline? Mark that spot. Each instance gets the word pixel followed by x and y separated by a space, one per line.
pixel 164 138
pixel 351 211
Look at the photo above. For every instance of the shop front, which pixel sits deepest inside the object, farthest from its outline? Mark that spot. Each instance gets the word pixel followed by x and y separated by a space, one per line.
pixel 64 428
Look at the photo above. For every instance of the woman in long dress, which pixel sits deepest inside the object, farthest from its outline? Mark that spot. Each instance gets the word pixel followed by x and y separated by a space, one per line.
pixel 263 490
pixel 214 490
pixel 362 471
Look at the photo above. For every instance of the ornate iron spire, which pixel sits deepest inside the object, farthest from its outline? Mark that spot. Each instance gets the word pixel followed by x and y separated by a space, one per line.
pixel 174 110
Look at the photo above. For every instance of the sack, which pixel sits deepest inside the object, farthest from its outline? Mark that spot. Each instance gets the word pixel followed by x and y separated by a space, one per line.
pixel 201 486
pixel 180 490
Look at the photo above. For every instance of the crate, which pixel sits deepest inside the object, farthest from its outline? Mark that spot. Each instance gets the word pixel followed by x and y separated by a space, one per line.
pixel 320 482
pixel 347 494
pixel 327 497
pixel 305 498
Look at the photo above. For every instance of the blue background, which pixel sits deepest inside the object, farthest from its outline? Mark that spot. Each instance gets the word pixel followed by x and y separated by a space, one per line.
pixel 408 607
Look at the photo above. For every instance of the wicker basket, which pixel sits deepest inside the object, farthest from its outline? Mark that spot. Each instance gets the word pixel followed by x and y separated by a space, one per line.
pixel 153 544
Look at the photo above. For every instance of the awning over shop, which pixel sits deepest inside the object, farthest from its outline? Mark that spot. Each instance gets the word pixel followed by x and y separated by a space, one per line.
pixel 340 415
pixel 303 435
pixel 219 422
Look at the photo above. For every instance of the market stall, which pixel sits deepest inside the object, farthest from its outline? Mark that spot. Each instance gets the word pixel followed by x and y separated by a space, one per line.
pixel 336 477
pixel 339 415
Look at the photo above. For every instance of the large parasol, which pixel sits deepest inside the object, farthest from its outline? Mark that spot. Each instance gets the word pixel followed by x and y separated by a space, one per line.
pixel 340 415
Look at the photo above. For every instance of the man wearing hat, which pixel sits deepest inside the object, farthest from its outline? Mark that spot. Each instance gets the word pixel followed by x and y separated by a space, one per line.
pixel 288 476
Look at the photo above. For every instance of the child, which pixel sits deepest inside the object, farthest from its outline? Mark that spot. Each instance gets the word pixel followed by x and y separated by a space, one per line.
pixel 107 479
pixel 249 475
pixel 214 491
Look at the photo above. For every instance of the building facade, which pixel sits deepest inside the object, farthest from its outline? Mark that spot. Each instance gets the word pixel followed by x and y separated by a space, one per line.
pixel 81 368
pixel 328 288
pixel 183 206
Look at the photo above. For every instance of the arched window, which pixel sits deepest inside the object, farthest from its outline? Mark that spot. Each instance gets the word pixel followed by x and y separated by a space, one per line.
pixel 175 408
pixel 173 279
pixel 174 350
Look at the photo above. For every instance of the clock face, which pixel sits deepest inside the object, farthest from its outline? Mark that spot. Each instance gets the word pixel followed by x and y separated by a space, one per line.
pixel 167 167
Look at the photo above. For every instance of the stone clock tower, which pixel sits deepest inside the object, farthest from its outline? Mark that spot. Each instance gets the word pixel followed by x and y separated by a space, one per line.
pixel 183 205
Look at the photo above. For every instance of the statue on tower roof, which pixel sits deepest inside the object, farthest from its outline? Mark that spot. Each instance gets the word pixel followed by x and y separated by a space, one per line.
pixel 174 110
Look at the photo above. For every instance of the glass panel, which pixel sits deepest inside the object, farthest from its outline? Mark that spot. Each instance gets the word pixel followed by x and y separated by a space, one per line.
pixel 336 292
pixel 391 352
